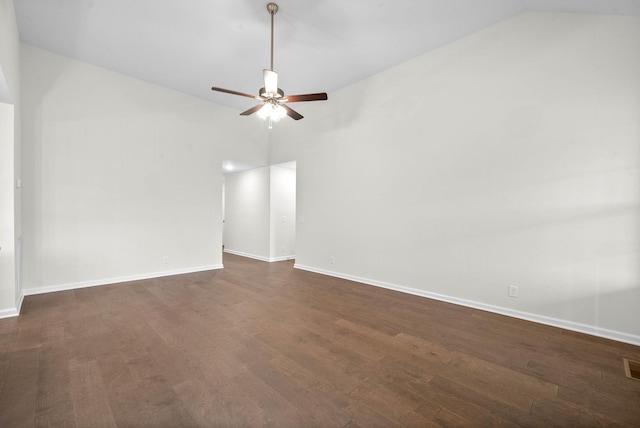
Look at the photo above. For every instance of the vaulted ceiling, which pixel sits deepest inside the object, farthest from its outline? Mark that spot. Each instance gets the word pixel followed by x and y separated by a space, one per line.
pixel 320 45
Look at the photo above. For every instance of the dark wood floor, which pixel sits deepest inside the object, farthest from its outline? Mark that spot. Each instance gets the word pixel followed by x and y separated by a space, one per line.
pixel 264 344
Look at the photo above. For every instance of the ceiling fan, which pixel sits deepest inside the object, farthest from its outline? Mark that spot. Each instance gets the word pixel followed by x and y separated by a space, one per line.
pixel 273 105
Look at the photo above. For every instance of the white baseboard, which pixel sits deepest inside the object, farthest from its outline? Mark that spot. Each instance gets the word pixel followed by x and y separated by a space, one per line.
pixel 19 302
pixel 8 313
pixel 107 281
pixel 13 312
pixel 281 258
pixel 261 258
pixel 541 319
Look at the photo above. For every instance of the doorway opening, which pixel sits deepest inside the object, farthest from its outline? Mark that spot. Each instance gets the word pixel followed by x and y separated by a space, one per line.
pixel 259 211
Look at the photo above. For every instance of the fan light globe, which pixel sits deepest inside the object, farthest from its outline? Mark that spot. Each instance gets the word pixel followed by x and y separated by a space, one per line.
pixel 265 111
pixel 278 113
pixel 274 112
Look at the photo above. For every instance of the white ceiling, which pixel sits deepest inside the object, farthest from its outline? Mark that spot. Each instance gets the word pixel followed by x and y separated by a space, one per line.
pixel 320 45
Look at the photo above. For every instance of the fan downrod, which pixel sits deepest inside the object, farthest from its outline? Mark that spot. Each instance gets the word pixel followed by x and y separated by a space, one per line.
pixel 272 8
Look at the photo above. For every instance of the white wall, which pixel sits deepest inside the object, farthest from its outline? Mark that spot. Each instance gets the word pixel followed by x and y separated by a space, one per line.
pixel 283 212
pixel 121 177
pixel 10 152
pixel 247 213
pixel 9 54
pixel 7 223
pixel 510 157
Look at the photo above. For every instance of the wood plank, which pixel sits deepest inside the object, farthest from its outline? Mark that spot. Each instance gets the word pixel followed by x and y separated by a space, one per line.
pixel 28 338
pixel 478 406
pixel 225 402
pixel 319 408
pixel 19 392
pixel 403 408
pixel 91 404
pixel 506 385
pixel 53 391
pixel 275 410
pixel 558 412
pixel 447 418
pixel 619 407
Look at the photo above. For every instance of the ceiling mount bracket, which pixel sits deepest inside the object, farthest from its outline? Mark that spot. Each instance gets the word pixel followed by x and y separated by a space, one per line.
pixel 272 8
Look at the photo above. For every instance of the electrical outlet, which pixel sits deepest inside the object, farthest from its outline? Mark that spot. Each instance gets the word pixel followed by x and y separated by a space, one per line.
pixel 513 291
pixel 165 260
pixel 332 260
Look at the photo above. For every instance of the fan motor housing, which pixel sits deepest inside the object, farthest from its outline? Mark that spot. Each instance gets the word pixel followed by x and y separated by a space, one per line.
pixel 263 93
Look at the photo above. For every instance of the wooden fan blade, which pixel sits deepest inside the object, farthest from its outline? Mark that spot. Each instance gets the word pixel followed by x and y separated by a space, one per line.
pixel 251 110
pixel 322 96
pixel 292 113
pixel 270 81
pixel 229 91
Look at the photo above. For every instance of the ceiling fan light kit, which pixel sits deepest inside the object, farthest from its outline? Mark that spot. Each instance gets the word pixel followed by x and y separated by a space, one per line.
pixel 273 105
pixel 274 112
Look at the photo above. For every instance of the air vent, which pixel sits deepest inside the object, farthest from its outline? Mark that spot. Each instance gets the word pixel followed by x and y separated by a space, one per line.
pixel 632 369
